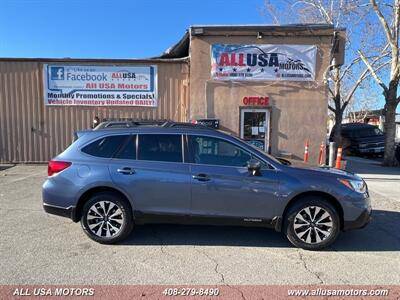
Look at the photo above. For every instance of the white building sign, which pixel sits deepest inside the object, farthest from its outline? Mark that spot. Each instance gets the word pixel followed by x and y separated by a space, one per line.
pixel 263 62
pixel 100 85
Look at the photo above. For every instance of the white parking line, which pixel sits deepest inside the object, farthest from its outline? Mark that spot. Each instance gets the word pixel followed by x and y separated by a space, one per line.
pixel 25 177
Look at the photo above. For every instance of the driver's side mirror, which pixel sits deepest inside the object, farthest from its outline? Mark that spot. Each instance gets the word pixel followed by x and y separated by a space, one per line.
pixel 254 167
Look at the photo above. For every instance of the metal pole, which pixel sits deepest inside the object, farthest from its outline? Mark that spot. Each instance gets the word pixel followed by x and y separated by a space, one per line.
pixel 332 148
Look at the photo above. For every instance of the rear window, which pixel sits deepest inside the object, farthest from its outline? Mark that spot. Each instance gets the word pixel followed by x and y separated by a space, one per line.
pixel 160 147
pixel 106 146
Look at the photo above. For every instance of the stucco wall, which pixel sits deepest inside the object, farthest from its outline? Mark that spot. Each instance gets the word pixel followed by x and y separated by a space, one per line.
pixel 298 109
pixel 33 132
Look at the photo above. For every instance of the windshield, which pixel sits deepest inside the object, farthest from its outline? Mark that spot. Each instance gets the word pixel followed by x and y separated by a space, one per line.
pixel 367 132
pixel 271 157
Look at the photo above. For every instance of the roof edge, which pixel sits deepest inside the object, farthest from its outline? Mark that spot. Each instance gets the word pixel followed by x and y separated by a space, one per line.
pixel 105 60
pixel 180 49
pixel 305 29
pixel 299 26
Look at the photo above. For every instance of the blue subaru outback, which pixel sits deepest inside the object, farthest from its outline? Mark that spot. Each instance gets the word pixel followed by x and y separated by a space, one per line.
pixel 114 179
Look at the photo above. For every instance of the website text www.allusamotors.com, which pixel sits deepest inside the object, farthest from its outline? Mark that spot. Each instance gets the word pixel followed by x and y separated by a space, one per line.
pixel 339 292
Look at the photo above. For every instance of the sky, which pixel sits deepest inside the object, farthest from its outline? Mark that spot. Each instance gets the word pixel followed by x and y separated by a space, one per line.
pixel 110 28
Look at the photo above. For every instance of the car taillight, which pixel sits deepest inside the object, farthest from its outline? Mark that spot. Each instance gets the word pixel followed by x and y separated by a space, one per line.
pixel 56 166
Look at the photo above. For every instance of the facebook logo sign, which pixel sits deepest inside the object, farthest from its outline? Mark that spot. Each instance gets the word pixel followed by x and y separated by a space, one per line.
pixel 57 73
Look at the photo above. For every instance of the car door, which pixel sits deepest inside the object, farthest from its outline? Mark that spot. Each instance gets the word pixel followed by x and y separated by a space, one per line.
pixel 150 169
pixel 222 186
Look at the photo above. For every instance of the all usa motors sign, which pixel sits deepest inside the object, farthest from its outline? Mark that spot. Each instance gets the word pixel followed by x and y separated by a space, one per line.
pixel 263 62
pixel 100 85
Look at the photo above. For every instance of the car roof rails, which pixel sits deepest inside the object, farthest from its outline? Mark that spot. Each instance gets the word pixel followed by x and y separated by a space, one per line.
pixel 114 124
pixel 121 124
pixel 172 124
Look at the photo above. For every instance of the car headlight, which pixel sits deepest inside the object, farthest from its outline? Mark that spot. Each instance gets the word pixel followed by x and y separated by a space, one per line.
pixel 355 185
pixel 362 145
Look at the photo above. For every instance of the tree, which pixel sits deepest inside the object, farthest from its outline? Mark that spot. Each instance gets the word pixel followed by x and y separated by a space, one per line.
pixel 341 96
pixel 390 25
pixel 361 108
pixel 342 81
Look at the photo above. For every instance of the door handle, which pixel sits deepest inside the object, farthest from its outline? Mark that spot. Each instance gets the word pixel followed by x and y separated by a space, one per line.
pixel 126 171
pixel 201 177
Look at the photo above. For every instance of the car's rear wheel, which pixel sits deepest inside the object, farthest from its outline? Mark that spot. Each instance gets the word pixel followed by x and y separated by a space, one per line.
pixel 312 223
pixel 107 218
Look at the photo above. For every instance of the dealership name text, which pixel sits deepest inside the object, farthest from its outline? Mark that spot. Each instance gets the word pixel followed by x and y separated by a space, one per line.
pixel 54 292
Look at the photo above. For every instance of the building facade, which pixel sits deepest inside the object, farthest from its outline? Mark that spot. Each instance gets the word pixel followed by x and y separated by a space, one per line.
pixel 262 83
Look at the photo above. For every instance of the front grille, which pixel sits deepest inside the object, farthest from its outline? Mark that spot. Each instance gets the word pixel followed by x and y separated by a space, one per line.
pixel 375 145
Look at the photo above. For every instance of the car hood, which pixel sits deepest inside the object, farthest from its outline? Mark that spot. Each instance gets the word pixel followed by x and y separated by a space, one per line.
pixel 321 171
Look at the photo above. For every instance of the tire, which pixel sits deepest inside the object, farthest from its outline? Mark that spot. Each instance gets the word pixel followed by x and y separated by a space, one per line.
pixel 109 228
pixel 318 229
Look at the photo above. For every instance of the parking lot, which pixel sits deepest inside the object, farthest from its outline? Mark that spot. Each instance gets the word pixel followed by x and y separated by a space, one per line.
pixel 38 248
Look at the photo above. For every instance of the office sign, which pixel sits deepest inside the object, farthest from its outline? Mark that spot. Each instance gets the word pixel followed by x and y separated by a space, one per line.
pixel 256 100
pixel 100 85
pixel 263 62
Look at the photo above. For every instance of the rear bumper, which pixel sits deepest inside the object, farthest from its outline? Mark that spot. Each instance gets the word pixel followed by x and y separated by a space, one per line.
pixel 67 212
pixel 360 222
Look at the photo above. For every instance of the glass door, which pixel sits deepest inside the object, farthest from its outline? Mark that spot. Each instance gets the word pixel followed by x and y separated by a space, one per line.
pixel 254 127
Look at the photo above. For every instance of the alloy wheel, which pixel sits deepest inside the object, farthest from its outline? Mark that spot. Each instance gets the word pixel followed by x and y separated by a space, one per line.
pixel 105 219
pixel 313 224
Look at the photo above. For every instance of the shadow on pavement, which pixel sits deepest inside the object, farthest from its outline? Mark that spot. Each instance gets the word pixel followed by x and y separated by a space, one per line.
pixel 381 234
pixel 370 167
pixel 5 167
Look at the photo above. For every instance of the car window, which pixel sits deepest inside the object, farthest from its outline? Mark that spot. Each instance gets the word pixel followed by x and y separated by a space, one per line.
pixel 105 146
pixel 128 151
pixel 214 151
pixel 367 132
pixel 160 147
pixel 258 151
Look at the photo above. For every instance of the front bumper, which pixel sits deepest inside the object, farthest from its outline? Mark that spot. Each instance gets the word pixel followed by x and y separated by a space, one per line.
pixel 67 212
pixel 360 222
pixel 371 150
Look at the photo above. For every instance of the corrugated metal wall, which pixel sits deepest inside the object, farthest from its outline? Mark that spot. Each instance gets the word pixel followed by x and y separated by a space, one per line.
pixel 33 132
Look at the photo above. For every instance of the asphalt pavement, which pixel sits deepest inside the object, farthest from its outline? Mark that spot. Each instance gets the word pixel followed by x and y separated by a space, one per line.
pixel 383 181
pixel 38 248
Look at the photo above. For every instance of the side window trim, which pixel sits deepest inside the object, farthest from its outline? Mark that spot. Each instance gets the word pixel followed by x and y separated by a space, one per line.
pixel 183 141
pixel 137 146
pixel 188 156
pixel 159 133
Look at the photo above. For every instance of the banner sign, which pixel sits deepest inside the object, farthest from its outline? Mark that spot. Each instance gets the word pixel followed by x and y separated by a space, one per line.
pixel 100 85
pixel 263 62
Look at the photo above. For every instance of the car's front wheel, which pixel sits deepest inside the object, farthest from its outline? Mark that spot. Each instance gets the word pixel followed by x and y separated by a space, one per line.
pixel 312 223
pixel 106 218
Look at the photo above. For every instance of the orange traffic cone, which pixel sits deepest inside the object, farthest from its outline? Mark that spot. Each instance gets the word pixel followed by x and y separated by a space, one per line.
pixel 338 158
